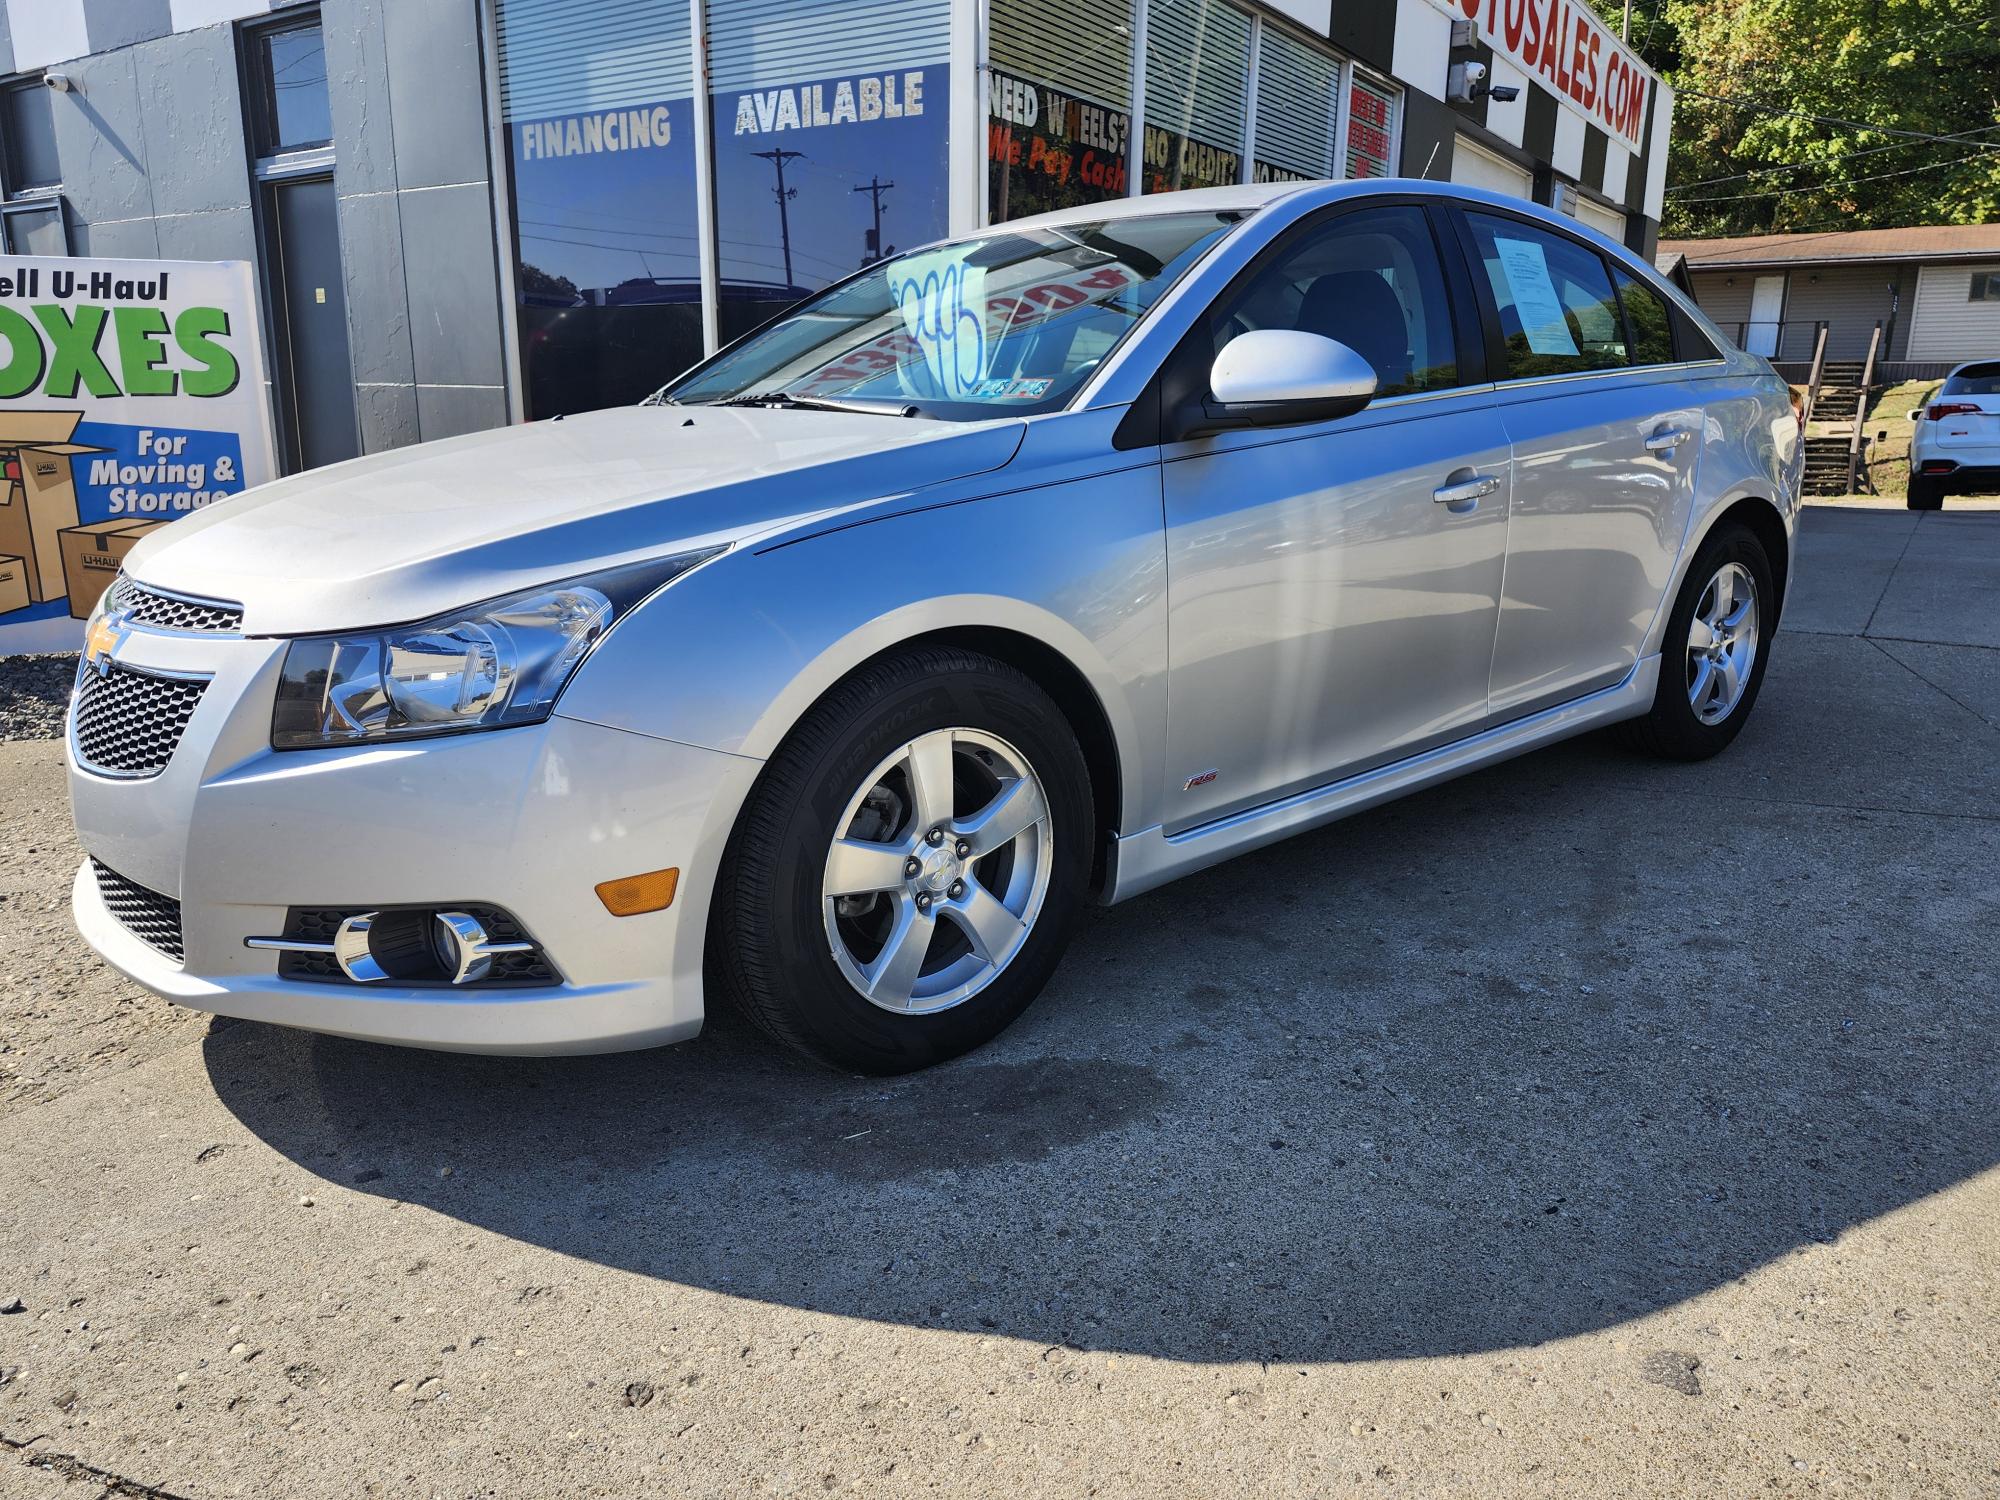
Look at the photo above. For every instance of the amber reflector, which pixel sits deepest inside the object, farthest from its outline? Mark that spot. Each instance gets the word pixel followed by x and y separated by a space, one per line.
pixel 639 893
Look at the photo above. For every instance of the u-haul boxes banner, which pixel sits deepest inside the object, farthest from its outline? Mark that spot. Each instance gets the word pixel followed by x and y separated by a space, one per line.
pixel 131 393
pixel 1576 56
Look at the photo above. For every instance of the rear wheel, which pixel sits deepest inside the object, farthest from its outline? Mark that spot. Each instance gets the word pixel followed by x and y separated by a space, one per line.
pixel 1717 641
pixel 1925 494
pixel 906 874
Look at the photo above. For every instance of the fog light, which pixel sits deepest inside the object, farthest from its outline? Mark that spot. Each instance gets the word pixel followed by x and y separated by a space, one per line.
pixel 409 946
pixel 653 891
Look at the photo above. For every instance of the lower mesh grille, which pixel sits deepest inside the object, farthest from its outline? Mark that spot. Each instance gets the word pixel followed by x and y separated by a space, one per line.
pixel 319 924
pixel 152 918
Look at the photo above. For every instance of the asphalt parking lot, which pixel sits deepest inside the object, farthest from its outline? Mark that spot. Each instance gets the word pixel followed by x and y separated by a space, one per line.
pixel 1588 1126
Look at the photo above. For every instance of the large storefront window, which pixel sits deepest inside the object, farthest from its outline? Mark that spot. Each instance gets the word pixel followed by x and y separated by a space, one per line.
pixel 600 138
pixel 830 121
pixel 1059 104
pixel 1197 90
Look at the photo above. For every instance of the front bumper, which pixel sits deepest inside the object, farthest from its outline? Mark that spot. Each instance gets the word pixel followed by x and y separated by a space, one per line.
pixel 529 819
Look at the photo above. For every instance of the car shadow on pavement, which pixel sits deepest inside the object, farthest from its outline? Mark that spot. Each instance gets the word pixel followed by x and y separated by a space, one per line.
pixel 1558 1045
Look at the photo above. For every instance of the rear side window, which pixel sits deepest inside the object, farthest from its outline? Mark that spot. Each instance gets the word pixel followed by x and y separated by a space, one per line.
pixel 1558 313
pixel 1974 380
pixel 1646 315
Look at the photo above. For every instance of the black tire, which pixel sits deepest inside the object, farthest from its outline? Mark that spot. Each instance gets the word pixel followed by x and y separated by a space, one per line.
pixel 768 944
pixel 1925 494
pixel 1671 729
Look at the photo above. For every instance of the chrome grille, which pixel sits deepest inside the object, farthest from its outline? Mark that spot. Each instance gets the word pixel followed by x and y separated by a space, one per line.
pixel 171 611
pixel 152 918
pixel 127 723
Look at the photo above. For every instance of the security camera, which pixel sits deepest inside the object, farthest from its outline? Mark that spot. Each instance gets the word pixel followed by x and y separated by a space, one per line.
pixel 1504 93
pixel 62 83
pixel 1467 81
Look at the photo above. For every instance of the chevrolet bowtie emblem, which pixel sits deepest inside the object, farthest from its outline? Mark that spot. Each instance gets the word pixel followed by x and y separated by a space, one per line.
pixel 106 635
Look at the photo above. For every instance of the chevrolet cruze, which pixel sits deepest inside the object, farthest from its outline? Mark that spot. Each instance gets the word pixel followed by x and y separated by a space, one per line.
pixel 1036 567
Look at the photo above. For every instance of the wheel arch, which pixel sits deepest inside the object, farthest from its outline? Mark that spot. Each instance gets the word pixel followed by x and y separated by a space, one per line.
pixel 1759 515
pixel 1055 671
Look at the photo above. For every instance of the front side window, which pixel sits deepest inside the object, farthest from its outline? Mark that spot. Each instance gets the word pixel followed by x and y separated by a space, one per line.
pixel 1557 311
pixel 1371 280
pixel 1008 324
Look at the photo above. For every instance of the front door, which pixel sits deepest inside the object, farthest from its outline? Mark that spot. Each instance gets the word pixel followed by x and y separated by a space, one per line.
pixel 1767 311
pixel 317 398
pixel 1334 586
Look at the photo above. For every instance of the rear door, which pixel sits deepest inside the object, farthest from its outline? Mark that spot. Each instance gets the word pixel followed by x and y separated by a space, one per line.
pixel 1606 444
pixel 1334 585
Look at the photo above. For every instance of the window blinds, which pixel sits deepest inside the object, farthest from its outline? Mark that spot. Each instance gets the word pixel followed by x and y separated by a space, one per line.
pixel 759 43
pixel 1197 70
pixel 560 57
pixel 1082 47
pixel 1298 92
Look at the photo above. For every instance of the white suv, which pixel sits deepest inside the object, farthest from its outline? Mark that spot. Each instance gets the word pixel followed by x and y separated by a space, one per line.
pixel 1956 447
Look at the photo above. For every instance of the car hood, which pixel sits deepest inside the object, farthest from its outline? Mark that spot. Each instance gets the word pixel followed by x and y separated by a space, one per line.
pixel 418 531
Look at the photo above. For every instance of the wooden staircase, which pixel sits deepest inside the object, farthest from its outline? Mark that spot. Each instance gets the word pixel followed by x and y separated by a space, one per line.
pixel 1837 405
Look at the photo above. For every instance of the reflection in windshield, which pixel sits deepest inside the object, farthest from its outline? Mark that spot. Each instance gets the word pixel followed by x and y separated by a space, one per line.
pixel 1010 323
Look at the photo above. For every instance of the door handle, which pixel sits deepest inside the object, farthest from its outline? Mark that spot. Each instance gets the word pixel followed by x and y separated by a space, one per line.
pixel 1667 439
pixel 1462 495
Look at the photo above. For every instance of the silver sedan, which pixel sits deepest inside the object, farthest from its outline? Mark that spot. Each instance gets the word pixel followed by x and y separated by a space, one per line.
pixel 1018 571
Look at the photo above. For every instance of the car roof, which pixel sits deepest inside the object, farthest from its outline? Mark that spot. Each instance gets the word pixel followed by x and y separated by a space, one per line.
pixel 1247 198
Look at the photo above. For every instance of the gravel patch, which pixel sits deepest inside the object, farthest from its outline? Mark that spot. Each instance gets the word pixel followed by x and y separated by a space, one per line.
pixel 34 690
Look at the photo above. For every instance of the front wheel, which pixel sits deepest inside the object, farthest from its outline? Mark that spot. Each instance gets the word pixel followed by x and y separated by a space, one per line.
pixel 1717 642
pixel 904 878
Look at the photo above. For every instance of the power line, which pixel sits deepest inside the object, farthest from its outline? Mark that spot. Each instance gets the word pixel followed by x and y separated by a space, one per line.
pixel 1798 114
pixel 1842 160
pixel 1829 187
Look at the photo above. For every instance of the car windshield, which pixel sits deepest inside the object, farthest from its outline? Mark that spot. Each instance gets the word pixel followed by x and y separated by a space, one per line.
pixel 1974 380
pixel 1009 324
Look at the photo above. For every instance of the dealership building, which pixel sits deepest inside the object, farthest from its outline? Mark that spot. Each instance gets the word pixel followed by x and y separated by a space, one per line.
pixel 470 212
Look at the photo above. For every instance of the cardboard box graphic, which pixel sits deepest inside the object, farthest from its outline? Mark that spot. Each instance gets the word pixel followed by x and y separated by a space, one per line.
pixel 38 495
pixel 91 556
pixel 13 584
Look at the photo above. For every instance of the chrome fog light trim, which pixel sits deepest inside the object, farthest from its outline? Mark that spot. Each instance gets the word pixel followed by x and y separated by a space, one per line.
pixel 463 948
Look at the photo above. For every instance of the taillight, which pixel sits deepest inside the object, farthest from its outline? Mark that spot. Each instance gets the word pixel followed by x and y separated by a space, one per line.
pixel 1953 409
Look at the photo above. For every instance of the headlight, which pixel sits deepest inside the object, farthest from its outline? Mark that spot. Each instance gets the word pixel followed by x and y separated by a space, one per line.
pixel 484 667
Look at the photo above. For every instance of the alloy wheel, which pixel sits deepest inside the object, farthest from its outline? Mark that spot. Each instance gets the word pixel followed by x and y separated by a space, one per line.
pixel 1722 644
pixel 938 871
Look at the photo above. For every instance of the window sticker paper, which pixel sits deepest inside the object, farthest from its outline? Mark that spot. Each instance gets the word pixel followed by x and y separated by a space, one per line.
pixel 1535 301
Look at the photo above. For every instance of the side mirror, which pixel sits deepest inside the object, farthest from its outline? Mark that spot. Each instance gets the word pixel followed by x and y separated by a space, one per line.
pixel 1280 376
pixel 1917 414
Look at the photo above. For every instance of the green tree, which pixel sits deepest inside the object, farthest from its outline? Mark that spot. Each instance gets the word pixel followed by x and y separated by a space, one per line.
pixel 1746 159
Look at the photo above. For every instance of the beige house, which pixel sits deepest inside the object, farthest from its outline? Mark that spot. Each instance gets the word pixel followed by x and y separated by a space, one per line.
pixel 1932 290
